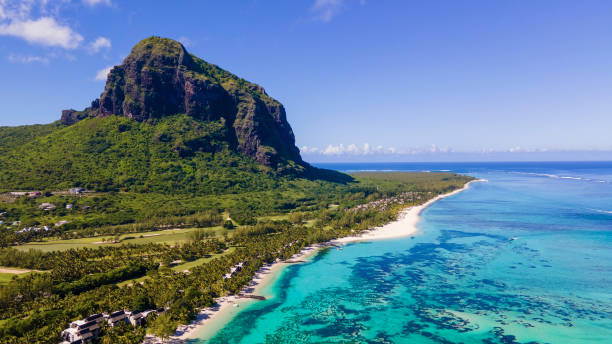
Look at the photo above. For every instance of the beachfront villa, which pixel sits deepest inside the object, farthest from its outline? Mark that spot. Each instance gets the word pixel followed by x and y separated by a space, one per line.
pixel 83 331
pixel 233 270
pixel 117 317
pixel 86 330
pixel 47 206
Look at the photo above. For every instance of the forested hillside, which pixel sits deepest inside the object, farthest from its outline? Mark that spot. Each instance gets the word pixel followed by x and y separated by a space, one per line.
pixel 83 271
pixel 177 154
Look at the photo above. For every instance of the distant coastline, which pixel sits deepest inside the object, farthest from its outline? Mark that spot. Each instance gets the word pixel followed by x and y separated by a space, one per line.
pixel 212 319
pixel 406 223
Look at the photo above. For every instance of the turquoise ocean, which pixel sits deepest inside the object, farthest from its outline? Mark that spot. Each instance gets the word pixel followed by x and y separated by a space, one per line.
pixel 525 257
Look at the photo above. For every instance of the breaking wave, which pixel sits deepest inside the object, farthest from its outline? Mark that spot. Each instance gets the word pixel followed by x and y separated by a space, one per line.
pixel 555 176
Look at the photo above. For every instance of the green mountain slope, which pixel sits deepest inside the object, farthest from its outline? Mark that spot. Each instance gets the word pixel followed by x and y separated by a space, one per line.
pixel 166 122
pixel 13 137
pixel 177 154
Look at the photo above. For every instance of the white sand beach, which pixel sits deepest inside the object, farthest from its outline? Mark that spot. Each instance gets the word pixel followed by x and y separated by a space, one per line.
pixel 212 319
pixel 405 225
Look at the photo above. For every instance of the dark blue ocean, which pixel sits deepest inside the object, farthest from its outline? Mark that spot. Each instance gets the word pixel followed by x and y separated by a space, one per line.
pixel 462 279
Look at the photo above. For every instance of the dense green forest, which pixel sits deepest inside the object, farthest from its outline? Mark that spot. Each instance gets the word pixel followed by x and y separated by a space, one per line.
pixel 178 154
pixel 266 225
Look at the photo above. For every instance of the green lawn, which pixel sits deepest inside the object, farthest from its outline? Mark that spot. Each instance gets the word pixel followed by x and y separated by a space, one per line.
pixel 273 217
pixel 170 236
pixel 5 278
pixel 189 265
pixel 132 281
pixel 181 267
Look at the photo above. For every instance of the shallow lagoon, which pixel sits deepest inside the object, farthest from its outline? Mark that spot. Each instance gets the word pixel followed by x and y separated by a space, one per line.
pixel 462 279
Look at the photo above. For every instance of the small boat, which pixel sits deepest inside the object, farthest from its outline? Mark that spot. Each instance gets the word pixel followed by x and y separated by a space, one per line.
pixel 513 238
pixel 236 305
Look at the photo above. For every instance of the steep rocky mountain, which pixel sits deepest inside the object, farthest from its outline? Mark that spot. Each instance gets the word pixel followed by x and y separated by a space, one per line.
pixel 160 78
pixel 166 122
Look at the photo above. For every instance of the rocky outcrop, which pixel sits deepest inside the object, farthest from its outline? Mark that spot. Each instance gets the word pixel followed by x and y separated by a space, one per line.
pixel 71 116
pixel 160 78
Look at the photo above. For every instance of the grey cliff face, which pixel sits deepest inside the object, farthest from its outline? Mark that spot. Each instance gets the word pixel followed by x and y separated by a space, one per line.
pixel 160 78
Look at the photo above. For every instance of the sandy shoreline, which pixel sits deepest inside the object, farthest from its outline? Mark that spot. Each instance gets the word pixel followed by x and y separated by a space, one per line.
pixel 406 223
pixel 211 319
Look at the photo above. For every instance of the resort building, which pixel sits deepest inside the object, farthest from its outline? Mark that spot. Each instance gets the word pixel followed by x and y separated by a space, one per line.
pixel 116 318
pixel 233 270
pixel 135 318
pixel 47 206
pixel 76 191
pixel 31 194
pixel 35 194
pixel 86 330
pixel 83 331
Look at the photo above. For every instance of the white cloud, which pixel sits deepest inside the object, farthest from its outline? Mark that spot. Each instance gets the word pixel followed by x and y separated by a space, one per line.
pixel 367 149
pixel 103 73
pixel 38 22
pixel 308 150
pixel 435 149
pixel 27 59
pixel 351 149
pixel 333 150
pixel 97 2
pixel 354 151
pixel 44 31
pixel 326 10
pixel 518 149
pixel 15 9
pixel 99 43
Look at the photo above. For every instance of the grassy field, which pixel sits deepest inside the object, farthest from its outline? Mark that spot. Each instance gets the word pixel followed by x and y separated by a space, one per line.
pixel 132 281
pixel 189 265
pixel 170 236
pixel 273 217
pixel 181 267
pixel 382 181
pixel 5 278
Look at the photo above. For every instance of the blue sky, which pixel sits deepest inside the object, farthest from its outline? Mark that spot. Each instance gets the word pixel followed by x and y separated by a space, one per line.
pixel 360 79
